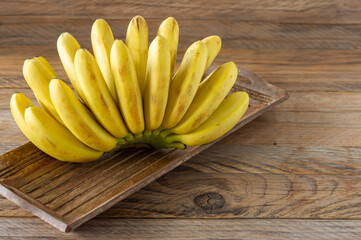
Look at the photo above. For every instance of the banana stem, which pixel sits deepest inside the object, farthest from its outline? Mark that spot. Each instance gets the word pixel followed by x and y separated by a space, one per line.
pixel 148 140
pixel 121 141
pixel 129 137
pixel 165 133
pixel 178 145
pixel 147 132
pixel 157 131
pixel 138 136
pixel 172 138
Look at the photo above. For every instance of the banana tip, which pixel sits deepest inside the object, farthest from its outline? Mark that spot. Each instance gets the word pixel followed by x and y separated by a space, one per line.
pixel 63 34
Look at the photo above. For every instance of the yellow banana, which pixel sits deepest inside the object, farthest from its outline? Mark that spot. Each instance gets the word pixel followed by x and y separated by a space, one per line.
pixel 127 87
pixel 137 43
pixel 77 118
pixel 185 83
pixel 67 46
pixel 213 44
pixel 220 122
pixel 210 94
pixel 169 29
pixel 18 103
pixel 38 76
pixel 157 83
pixel 65 147
pixel 54 139
pixel 97 94
pixel 46 64
pixel 102 41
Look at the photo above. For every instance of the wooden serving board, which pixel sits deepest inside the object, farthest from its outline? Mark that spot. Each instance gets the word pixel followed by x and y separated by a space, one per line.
pixel 69 194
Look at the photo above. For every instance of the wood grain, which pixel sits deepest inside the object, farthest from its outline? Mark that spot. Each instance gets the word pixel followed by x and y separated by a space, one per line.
pixel 271 172
pixel 23 228
pixel 295 70
pixel 333 11
pixel 312 141
pixel 44 31
pixel 300 183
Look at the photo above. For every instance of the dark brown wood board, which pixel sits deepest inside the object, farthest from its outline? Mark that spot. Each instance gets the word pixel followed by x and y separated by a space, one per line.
pixel 68 194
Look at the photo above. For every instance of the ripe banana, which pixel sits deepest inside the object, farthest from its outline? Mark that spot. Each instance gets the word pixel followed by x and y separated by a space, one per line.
pixel 102 41
pixel 67 46
pixel 210 94
pixel 46 64
pixel 127 87
pixel 38 76
pixel 58 141
pixel 18 103
pixel 185 83
pixel 220 122
pixel 77 118
pixel 157 82
pixel 97 94
pixel 54 139
pixel 137 43
pixel 169 29
pixel 213 44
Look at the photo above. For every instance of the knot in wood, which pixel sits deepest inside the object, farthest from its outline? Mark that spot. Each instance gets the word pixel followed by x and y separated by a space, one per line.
pixel 209 201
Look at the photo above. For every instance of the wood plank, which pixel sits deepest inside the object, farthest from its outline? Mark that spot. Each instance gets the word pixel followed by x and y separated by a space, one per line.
pixel 261 181
pixel 310 80
pixel 292 60
pixel 277 160
pixel 32 228
pixel 315 118
pixel 339 102
pixel 294 134
pixel 45 30
pixel 333 11
pixel 295 70
pixel 246 195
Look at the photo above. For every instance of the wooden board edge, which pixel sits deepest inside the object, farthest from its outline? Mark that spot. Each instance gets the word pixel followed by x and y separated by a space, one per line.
pixel 21 202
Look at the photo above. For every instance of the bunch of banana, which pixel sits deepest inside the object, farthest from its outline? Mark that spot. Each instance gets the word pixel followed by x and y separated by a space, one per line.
pixel 127 94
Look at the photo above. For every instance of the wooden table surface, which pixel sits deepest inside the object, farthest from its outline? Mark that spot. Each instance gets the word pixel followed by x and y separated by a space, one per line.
pixel 294 173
